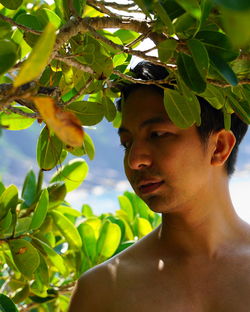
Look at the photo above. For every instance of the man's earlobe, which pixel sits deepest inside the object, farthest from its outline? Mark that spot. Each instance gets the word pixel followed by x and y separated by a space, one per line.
pixel 224 143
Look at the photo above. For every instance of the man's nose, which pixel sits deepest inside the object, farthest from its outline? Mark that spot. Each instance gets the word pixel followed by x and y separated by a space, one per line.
pixel 139 156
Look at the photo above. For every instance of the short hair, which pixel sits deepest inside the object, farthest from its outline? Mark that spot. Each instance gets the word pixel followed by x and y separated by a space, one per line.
pixel 212 120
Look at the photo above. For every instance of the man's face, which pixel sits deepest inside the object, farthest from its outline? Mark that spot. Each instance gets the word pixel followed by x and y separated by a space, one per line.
pixel 167 167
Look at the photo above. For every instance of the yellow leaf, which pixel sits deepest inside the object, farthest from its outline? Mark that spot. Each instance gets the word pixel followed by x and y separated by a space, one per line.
pixel 65 124
pixel 38 57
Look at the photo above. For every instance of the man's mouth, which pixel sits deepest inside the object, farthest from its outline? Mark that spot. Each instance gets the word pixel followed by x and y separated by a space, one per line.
pixel 149 187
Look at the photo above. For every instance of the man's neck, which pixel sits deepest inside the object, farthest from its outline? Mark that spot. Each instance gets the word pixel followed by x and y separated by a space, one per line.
pixel 203 228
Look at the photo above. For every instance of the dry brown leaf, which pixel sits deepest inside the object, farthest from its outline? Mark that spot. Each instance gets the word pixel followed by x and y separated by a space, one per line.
pixel 65 124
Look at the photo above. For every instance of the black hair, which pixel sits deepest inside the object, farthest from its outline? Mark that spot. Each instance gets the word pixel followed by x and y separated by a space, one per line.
pixel 212 120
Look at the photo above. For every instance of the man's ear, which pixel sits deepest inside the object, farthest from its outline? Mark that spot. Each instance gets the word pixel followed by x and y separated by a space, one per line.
pixel 223 143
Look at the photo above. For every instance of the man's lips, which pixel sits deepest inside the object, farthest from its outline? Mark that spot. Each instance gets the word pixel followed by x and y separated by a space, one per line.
pixel 146 187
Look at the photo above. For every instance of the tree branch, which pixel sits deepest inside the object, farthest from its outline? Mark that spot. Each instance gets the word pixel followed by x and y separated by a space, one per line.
pixel 10 21
pixel 74 63
pixel 222 84
pixel 18 111
pixel 101 8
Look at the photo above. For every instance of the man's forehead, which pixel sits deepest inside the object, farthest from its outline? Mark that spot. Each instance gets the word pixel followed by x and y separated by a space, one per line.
pixel 154 120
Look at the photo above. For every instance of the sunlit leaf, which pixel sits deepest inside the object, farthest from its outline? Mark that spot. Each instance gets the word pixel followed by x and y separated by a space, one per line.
pixel 8 200
pixel 40 210
pixel 125 205
pixel 109 239
pixel 89 146
pixel 29 188
pixel 12 121
pixel 67 229
pixel 25 256
pixel 191 6
pixel 38 58
pixel 52 255
pixel 143 227
pixel 87 234
pixel 72 174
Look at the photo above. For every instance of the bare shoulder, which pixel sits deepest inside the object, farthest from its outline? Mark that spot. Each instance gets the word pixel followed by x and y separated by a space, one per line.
pixel 95 290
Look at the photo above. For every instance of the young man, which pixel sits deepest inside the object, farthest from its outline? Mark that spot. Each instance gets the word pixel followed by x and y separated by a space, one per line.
pixel 198 259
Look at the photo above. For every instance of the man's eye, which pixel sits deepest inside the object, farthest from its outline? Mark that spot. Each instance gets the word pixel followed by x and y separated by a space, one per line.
pixel 156 134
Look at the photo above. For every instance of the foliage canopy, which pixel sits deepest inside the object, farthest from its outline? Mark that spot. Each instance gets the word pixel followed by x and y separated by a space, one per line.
pixel 61 65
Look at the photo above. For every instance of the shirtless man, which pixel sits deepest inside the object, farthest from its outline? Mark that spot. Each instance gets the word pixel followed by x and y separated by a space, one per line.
pixel 198 259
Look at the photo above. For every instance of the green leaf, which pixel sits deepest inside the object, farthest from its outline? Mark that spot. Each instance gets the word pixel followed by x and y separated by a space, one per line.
pixel 38 58
pixel 109 239
pixel 68 210
pixel 237 26
pixel 227 119
pixel 6 304
pixel 88 240
pixel 178 109
pixel 214 96
pixel 13 121
pixel 218 44
pixel 67 229
pixel 96 224
pixel 29 188
pixel 126 206
pixel 29 21
pixel 72 174
pixel 241 108
pixel 89 146
pixel 126 36
pixel 224 69
pixel 166 49
pixel 143 227
pixel 22 294
pixel 200 56
pixel 144 5
pixel 239 5
pixel 110 110
pixel 25 256
pixel 46 16
pixel 40 211
pixel 191 6
pixel 22 226
pixel 189 73
pixel 162 13
pixel 5 222
pixel 191 100
pixel 49 149
pixel 8 200
pixel 42 271
pixel 87 211
pixel 57 192
pixel 89 113
pixel 8 55
pixel 11 4
pixel 52 255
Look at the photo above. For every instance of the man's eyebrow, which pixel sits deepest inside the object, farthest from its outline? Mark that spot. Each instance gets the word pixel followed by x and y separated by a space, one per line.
pixel 145 123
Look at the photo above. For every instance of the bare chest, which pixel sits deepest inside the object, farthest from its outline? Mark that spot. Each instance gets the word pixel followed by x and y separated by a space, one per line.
pixel 224 287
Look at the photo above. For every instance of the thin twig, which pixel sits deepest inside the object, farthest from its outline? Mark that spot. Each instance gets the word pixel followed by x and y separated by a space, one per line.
pixel 101 8
pixel 222 84
pixel 10 21
pixel 75 63
pixel 146 82
pixel 22 113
